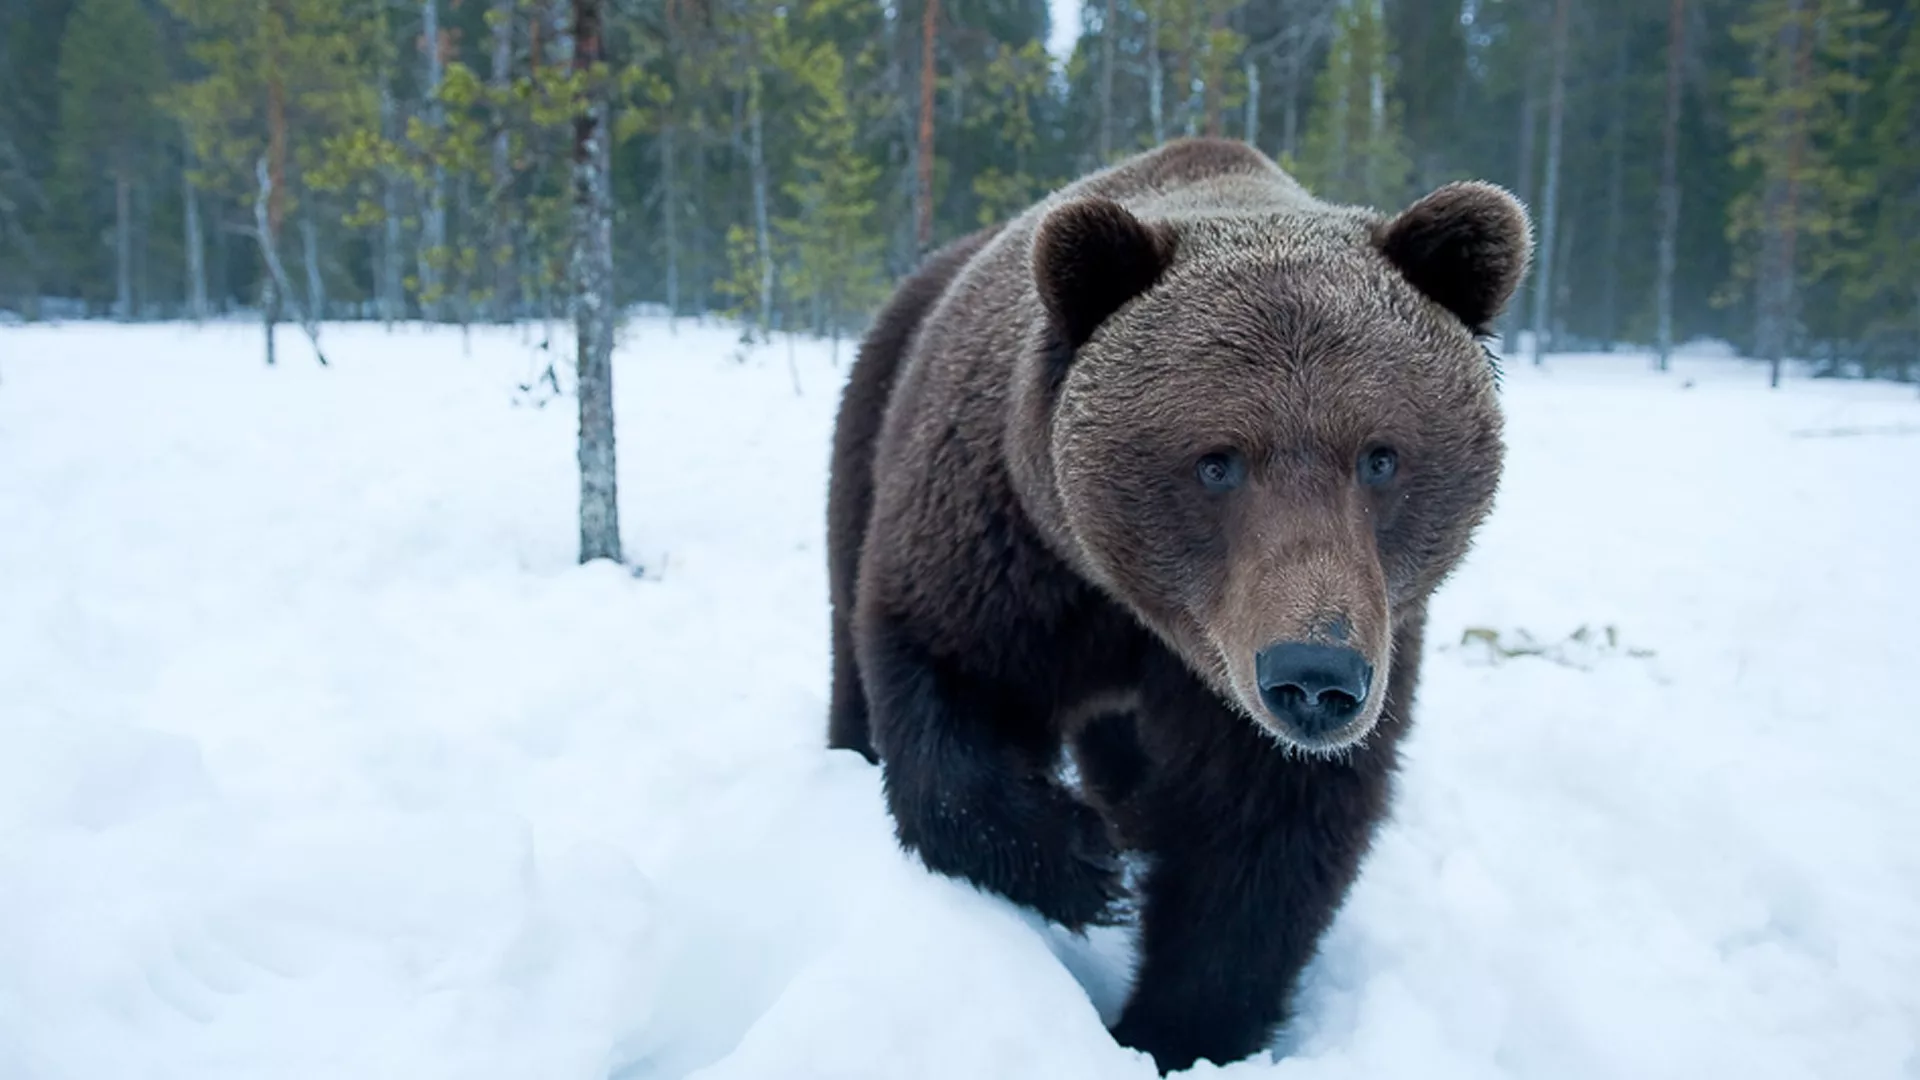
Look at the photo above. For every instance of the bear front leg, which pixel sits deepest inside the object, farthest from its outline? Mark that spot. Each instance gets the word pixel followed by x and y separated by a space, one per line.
pixel 1251 853
pixel 961 756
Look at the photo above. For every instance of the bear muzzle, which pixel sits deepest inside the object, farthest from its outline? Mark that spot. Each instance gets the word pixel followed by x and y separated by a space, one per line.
pixel 1313 690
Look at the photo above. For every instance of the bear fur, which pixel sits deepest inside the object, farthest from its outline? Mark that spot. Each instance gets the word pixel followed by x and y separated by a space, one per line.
pixel 1094 470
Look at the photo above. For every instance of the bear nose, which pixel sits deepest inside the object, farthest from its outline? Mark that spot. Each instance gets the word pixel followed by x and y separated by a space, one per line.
pixel 1315 689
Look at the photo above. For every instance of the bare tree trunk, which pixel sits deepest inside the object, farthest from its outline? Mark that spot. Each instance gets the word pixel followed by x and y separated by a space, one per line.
pixel 1250 124
pixel 270 173
pixel 123 246
pixel 433 219
pixel 763 233
pixel 1215 73
pixel 1342 106
pixel 1156 75
pixel 278 286
pixel 269 314
pixel 929 28
pixel 1108 33
pixel 698 250
pixel 1556 107
pixel 592 298
pixel 1617 152
pixel 1781 201
pixel 1376 112
pixel 1789 271
pixel 499 228
pixel 196 251
pixel 670 218
pixel 310 250
pixel 1290 116
pixel 391 293
pixel 1669 186
pixel 1529 125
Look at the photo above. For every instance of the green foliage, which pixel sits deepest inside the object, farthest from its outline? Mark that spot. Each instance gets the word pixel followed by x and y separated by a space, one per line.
pixel 1791 138
pixel 110 71
pixel 1354 151
pixel 536 110
pixel 295 70
pixel 332 92
pixel 1014 81
pixel 1882 269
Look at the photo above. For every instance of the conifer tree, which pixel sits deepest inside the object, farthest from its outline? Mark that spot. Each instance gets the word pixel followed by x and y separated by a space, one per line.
pixel 1013 84
pixel 1354 151
pixel 835 250
pixel 1789 128
pixel 1883 267
pixel 110 71
pixel 278 81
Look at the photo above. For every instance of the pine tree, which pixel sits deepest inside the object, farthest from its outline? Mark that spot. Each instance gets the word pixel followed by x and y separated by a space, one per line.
pixel 835 249
pixel 1013 84
pixel 278 81
pixel 110 70
pixel 1788 123
pixel 1354 151
pixel 1883 268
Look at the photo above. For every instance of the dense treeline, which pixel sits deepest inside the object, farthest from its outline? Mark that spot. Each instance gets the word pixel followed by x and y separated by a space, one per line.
pixel 783 162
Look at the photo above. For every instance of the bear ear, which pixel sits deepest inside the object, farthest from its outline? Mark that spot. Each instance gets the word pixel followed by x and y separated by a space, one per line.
pixel 1090 257
pixel 1466 245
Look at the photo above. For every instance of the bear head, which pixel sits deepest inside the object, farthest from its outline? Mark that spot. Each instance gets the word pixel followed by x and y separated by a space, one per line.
pixel 1271 435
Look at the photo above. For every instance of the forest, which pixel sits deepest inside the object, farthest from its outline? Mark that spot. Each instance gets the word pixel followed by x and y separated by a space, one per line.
pixel 1746 171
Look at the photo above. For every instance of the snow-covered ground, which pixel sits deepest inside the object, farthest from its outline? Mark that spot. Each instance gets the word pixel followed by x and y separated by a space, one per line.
pixel 320 758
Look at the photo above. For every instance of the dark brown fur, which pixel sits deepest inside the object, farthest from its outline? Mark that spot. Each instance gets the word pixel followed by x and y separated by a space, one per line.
pixel 1024 565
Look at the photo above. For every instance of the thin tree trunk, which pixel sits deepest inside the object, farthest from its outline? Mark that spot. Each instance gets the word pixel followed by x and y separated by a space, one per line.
pixel 310 249
pixel 1556 108
pixel 763 233
pixel 1789 273
pixel 392 295
pixel 269 313
pixel 593 299
pixel 1529 125
pixel 1669 186
pixel 698 248
pixel 433 221
pixel 1290 116
pixel 1376 113
pixel 142 268
pixel 929 29
pixel 1781 204
pixel 1215 73
pixel 499 228
pixel 123 245
pixel 268 208
pixel 1250 124
pixel 1156 76
pixel 1342 107
pixel 278 287
pixel 1617 152
pixel 196 251
pixel 1108 33
pixel 670 218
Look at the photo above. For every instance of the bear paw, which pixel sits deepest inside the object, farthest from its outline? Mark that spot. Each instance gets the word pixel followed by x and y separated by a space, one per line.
pixel 1031 842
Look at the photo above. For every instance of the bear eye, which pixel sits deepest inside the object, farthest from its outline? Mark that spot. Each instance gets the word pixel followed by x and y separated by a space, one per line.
pixel 1221 471
pixel 1378 465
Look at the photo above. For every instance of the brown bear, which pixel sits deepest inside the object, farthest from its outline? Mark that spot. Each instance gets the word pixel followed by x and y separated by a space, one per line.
pixel 1156 480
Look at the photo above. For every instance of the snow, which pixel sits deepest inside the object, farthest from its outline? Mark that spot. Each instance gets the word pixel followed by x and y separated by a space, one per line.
pixel 320 758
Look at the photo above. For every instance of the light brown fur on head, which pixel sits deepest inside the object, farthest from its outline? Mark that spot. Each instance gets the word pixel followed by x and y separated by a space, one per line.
pixel 1234 314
